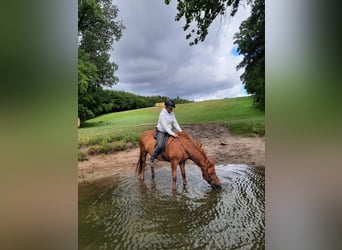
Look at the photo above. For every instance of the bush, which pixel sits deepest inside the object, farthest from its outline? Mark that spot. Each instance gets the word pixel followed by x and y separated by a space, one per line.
pixel 246 128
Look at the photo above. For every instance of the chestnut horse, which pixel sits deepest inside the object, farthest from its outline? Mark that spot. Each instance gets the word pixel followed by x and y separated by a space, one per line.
pixel 177 151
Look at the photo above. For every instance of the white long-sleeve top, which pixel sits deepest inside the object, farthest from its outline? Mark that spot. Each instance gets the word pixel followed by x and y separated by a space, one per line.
pixel 167 121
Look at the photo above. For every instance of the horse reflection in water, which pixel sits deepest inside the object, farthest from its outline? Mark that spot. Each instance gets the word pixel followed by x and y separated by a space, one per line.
pixel 177 151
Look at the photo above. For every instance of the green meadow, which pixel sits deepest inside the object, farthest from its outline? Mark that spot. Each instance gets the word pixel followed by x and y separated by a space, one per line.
pixel 121 130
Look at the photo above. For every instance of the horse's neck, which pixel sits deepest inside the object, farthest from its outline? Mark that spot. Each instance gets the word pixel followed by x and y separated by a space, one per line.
pixel 195 153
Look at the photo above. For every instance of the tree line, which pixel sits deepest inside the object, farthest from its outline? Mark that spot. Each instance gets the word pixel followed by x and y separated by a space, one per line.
pixel 105 101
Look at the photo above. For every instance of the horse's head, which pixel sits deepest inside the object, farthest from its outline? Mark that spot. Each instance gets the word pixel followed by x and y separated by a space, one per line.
pixel 198 155
pixel 212 178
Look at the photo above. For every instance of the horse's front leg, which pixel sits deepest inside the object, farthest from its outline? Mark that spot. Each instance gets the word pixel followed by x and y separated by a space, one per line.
pixel 152 170
pixel 174 174
pixel 182 168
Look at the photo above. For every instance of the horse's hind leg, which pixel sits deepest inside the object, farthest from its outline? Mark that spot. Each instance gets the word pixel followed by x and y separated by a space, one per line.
pixel 182 168
pixel 143 162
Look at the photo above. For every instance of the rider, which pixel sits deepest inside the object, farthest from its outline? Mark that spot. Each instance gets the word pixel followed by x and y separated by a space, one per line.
pixel 167 121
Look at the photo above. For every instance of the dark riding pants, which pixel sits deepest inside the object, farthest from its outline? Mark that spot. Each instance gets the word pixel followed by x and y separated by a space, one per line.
pixel 160 137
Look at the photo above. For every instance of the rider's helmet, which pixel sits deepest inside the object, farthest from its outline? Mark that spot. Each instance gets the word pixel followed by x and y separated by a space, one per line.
pixel 170 103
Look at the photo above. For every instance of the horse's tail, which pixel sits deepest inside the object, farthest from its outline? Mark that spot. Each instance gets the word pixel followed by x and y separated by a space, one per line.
pixel 138 168
pixel 142 158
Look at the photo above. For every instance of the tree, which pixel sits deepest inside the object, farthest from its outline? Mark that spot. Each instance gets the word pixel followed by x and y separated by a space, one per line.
pixel 97 31
pixel 250 39
pixel 203 13
pixel 87 72
pixel 251 44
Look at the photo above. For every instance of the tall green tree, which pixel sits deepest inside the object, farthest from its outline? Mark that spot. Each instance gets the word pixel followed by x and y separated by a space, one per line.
pixel 199 14
pixel 87 73
pixel 251 44
pixel 97 31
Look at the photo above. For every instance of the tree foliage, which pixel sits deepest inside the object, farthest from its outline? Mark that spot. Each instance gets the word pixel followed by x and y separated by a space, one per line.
pixel 250 39
pixel 202 13
pixel 251 44
pixel 97 31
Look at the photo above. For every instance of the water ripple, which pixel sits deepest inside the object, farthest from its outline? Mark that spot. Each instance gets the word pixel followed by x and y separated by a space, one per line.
pixel 125 213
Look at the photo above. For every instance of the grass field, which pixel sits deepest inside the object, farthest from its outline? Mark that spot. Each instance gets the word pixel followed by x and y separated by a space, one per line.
pixel 121 130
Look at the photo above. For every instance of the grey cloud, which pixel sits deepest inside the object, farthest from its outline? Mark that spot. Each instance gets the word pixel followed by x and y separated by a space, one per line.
pixel 154 57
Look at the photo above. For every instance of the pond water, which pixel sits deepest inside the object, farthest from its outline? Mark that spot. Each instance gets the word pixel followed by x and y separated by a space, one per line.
pixel 122 212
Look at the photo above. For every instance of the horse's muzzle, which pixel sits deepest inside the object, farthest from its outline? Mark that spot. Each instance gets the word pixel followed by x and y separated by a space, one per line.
pixel 215 186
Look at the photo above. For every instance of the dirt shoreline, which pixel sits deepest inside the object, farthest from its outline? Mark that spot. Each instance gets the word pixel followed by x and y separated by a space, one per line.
pixel 217 141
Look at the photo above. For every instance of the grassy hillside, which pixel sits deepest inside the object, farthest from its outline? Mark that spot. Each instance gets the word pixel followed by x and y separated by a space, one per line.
pixel 117 131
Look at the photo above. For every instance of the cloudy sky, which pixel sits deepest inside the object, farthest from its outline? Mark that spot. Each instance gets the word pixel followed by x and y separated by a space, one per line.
pixel 154 57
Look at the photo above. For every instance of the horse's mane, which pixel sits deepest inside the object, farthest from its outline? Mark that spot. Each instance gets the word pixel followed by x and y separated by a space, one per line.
pixel 185 135
pixel 188 137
